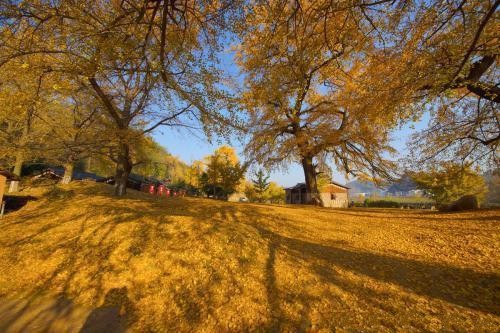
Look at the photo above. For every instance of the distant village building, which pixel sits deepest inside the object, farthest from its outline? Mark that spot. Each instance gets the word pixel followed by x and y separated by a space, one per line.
pixel 416 193
pixel 409 193
pixel 333 195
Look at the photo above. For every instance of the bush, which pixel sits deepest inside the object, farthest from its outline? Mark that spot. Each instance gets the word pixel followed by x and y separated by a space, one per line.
pixel 382 203
pixel 395 204
pixel 449 182
pixel 353 203
pixel 467 202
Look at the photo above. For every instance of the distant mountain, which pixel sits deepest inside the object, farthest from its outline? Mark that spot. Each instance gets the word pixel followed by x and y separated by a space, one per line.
pixel 404 184
pixel 357 186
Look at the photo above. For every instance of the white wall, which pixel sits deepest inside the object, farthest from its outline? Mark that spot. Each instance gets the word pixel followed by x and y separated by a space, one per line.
pixel 340 200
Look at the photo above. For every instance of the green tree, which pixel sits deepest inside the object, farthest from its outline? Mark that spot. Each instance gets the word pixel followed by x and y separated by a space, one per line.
pixel 451 181
pixel 153 160
pixel 260 184
pixel 223 173
pixel 249 190
pixel 274 193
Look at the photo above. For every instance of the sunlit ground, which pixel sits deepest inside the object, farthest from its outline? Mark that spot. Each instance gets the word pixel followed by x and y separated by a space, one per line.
pixel 79 259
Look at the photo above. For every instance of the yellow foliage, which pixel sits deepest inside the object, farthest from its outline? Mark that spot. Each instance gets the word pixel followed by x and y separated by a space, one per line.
pixel 187 264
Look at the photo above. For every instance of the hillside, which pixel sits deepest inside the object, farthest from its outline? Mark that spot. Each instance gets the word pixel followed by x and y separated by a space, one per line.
pixel 78 258
pixel 403 184
pixel 356 186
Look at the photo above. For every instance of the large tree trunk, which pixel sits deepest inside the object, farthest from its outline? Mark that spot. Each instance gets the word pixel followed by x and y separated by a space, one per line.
pixel 123 169
pixel 18 166
pixel 68 173
pixel 312 192
pixel 88 164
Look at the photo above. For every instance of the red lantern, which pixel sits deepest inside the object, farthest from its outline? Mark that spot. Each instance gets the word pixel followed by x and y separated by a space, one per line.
pixel 160 189
pixel 151 189
pixel 167 192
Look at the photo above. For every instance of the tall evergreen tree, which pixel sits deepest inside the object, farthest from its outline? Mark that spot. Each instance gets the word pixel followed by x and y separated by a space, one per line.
pixel 261 184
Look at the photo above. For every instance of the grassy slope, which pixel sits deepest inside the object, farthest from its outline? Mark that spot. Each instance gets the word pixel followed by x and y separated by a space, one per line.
pixel 184 264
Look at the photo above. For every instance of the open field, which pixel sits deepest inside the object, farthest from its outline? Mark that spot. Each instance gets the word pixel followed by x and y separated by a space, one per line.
pixel 84 260
pixel 394 198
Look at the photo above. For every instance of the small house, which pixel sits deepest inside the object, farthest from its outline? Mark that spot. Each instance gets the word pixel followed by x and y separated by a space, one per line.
pixel 332 195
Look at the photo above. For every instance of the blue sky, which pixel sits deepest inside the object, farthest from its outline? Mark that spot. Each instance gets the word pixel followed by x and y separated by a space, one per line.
pixel 189 146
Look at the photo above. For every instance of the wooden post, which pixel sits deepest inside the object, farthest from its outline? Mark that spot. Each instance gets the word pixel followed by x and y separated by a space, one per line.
pixel 3 182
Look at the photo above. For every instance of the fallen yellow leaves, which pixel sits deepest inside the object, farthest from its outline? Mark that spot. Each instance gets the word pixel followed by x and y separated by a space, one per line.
pixel 188 264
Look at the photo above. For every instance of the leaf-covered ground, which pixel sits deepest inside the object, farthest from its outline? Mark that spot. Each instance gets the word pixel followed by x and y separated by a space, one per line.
pixel 78 259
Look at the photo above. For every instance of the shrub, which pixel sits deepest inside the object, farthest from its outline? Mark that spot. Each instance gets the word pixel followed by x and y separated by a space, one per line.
pixel 449 182
pixel 382 203
pixel 467 202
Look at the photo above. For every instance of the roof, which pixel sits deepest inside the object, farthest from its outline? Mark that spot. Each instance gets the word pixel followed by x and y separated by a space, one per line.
pixel 302 185
pixel 58 172
pixel 9 175
pixel 298 185
pixel 137 179
pixel 340 185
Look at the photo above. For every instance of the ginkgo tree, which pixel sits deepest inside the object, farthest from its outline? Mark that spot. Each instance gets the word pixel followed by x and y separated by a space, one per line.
pixel 76 131
pixel 445 61
pixel 223 172
pixel 25 95
pixel 306 66
pixel 149 64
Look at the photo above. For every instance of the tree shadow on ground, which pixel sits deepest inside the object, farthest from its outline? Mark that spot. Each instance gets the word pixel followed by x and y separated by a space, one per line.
pixel 414 215
pixel 272 292
pixel 460 286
